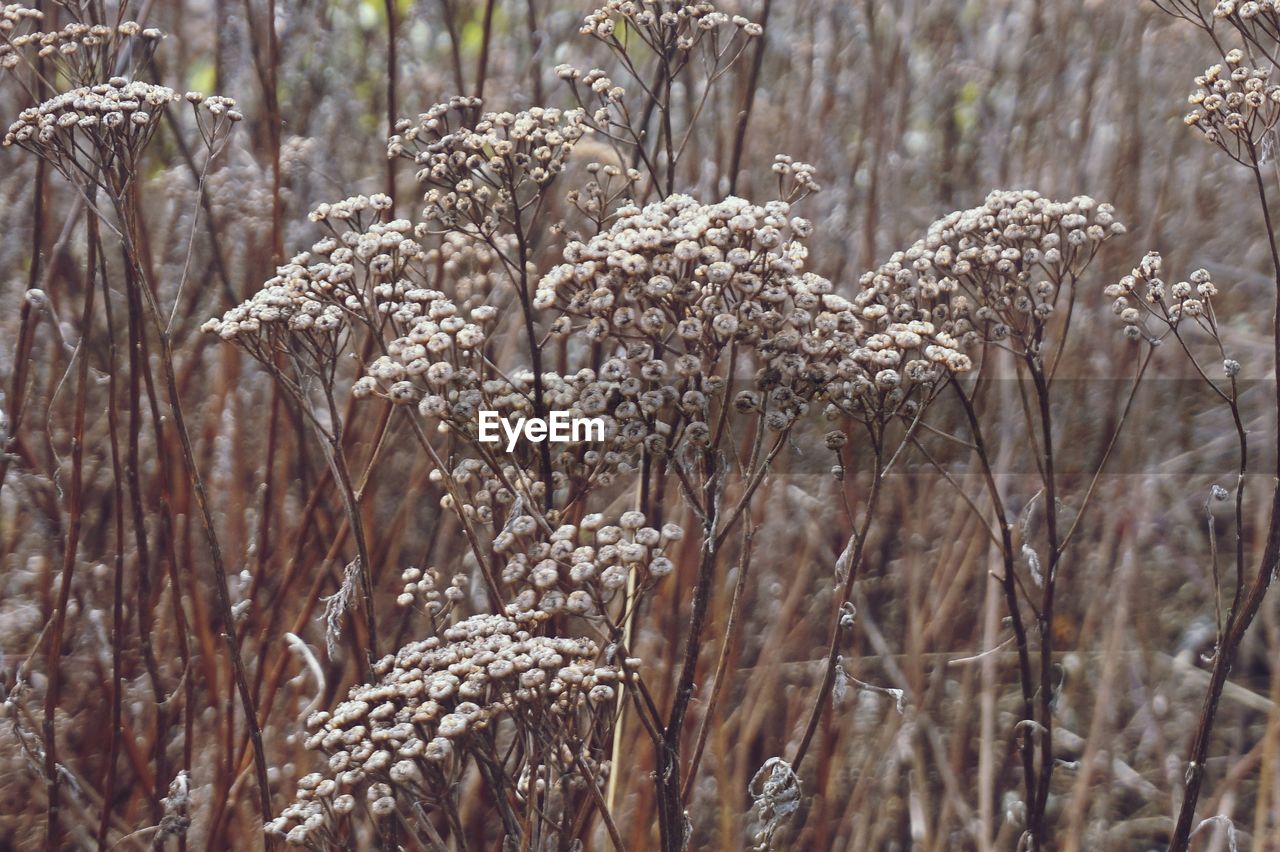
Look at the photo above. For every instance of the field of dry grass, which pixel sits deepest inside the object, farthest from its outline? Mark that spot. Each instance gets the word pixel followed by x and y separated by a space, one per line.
pixel 880 553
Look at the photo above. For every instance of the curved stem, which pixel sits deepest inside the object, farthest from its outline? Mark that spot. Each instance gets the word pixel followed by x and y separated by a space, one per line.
pixel 1241 615
pixel 846 590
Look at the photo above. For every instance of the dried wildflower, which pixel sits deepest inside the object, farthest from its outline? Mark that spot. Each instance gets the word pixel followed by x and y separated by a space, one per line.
pixel 681 25
pixel 1234 106
pixel 775 795
pixel 427 589
pixel 674 37
pixel 80 52
pixel 795 179
pixel 990 272
pixel 479 175
pixel 722 278
pixel 94 135
pixel 370 272
pixel 1247 14
pixel 582 569
pixel 696 279
pixel 1143 296
pixel 401 744
pixel 456 396
pixel 108 119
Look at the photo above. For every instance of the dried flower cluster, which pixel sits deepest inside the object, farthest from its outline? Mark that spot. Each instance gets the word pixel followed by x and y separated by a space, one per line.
pixel 681 25
pixel 1247 11
pixel 426 588
pixel 95 134
pixel 993 272
pixel 318 292
pixel 13 15
pixel 584 259
pixel 404 742
pixel 670 322
pixel 670 38
pixel 708 272
pixel 605 95
pixel 672 288
pixel 112 117
pixel 696 281
pixel 795 179
pixel 79 52
pixel 581 569
pixel 1234 106
pixel 368 271
pixel 1143 295
pixel 628 407
pixel 480 175
pixel 441 347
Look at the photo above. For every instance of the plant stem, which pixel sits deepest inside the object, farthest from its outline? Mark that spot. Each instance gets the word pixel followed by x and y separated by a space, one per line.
pixel 1241 616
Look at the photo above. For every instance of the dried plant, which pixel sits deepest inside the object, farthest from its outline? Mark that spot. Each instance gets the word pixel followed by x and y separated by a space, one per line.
pixel 840 559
